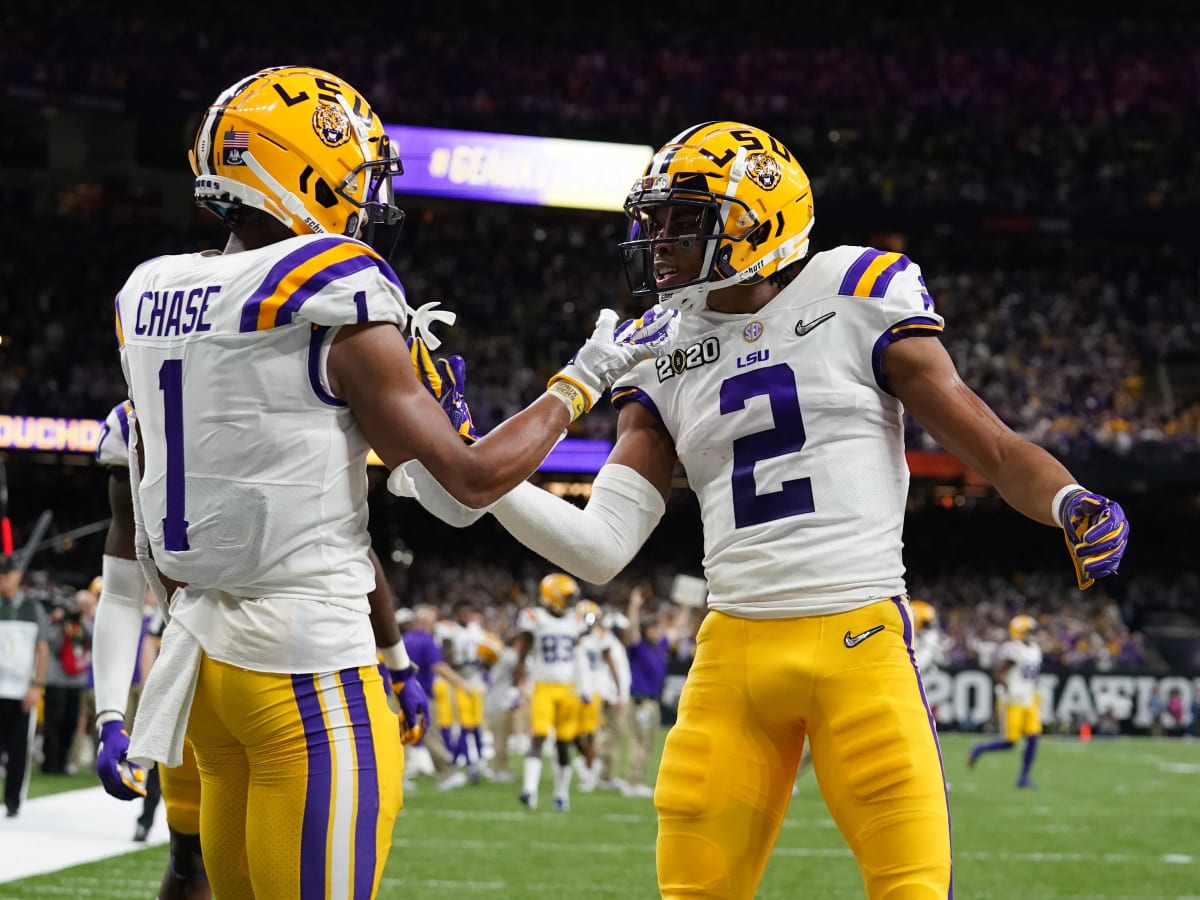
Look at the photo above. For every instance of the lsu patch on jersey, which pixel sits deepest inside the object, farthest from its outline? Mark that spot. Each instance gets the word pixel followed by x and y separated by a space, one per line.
pixel 112 448
pixel 254 480
pixel 552 658
pixel 789 437
pixel 1021 680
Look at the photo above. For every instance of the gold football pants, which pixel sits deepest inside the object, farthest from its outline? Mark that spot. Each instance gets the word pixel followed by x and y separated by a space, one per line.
pixel 301 781
pixel 755 688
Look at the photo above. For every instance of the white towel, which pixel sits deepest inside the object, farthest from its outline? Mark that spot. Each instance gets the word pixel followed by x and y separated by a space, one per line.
pixel 162 714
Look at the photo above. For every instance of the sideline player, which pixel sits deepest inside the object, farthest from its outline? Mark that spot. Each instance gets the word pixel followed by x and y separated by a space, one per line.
pixel 600 648
pixel 115 640
pixel 549 644
pixel 783 398
pixel 260 375
pixel 1017 671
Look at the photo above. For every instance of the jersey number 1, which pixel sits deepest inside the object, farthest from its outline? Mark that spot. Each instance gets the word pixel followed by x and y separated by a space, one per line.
pixel 795 497
pixel 170 382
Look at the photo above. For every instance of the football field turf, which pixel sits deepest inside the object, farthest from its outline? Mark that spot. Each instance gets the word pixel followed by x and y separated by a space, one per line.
pixel 1109 819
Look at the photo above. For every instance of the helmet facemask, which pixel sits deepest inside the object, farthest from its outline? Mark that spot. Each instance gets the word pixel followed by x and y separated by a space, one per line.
pixel 382 220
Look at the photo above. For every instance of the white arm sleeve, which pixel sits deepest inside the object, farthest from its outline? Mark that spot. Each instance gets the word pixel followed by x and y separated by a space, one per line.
pixel 412 479
pixel 116 636
pixel 596 542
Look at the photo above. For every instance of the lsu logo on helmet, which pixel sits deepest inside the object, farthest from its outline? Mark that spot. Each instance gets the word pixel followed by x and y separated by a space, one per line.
pixel 1020 626
pixel 557 590
pixel 750 200
pixel 300 145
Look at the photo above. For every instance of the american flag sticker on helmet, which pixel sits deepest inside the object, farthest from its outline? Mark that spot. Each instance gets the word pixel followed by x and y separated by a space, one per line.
pixel 233 144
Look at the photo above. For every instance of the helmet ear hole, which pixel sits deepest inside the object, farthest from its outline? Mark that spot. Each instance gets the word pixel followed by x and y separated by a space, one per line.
pixel 324 194
pixel 758 235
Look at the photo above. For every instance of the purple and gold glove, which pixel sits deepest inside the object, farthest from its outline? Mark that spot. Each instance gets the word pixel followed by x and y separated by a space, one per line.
pixel 1096 532
pixel 610 353
pixel 410 697
pixel 446 379
pixel 121 778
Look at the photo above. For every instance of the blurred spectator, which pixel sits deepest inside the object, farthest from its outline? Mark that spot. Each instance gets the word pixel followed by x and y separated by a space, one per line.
pixel 66 678
pixel 24 642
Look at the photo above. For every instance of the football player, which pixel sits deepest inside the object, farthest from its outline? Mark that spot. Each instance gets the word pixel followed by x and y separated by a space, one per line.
pixel 549 646
pixel 928 641
pixel 115 639
pixel 114 646
pixel 260 376
pixel 1017 671
pixel 461 637
pixel 783 398
pixel 599 647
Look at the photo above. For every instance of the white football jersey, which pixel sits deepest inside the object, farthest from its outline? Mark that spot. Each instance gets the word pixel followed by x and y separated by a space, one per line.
pixel 555 656
pixel 112 448
pixel 464 641
pixel 254 480
pixel 595 644
pixel 790 439
pixel 1022 677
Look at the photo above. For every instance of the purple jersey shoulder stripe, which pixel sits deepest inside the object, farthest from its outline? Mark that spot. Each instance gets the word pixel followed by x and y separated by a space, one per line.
pixel 319 281
pixel 897 332
pixel 280 271
pixel 879 288
pixel 314 828
pixel 637 395
pixel 908 643
pixel 367 815
pixel 855 272
pixel 316 344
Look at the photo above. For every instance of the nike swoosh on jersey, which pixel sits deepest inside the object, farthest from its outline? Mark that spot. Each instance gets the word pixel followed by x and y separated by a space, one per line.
pixel 803 328
pixel 854 640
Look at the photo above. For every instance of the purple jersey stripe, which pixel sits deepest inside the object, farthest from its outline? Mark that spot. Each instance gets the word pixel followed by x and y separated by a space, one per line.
pixel 316 344
pixel 855 272
pixel 891 336
pixel 315 825
pixel 367 820
pixel 637 395
pixel 879 288
pixel 908 636
pixel 319 281
pixel 123 418
pixel 280 271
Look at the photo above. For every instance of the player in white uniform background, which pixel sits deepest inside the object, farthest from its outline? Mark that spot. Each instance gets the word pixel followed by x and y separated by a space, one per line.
pixel 461 638
pixel 549 653
pixel 259 376
pixel 783 398
pixel 600 648
pixel 1017 669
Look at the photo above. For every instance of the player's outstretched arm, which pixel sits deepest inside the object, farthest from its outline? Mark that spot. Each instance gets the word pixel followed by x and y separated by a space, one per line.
pixel 369 367
pixel 921 374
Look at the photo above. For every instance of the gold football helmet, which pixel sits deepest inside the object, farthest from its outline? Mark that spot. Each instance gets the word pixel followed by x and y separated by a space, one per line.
pixel 557 590
pixel 301 145
pixel 1020 626
pixel 588 612
pixel 739 191
pixel 923 613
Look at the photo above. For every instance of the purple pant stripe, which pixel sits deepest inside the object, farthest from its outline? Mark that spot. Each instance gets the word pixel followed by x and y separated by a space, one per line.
pixel 855 272
pixel 315 826
pixel 367 821
pixel 908 636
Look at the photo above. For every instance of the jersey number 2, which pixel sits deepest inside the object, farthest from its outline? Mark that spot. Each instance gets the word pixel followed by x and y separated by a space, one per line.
pixel 795 497
pixel 170 382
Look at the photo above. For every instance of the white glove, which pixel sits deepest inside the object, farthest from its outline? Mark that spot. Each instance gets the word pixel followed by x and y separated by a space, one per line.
pixel 610 353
